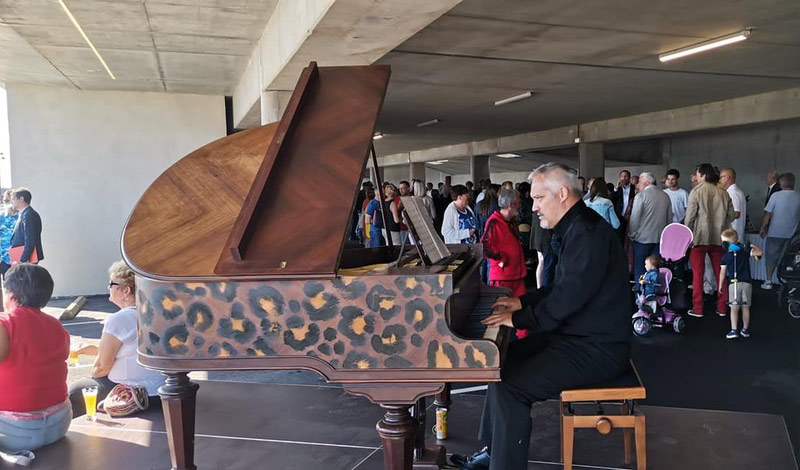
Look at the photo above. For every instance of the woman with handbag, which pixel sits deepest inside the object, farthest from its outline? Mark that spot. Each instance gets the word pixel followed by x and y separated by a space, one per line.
pixel 115 370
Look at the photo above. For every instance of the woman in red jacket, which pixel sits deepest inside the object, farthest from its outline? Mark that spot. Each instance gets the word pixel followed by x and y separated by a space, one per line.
pixel 34 409
pixel 502 247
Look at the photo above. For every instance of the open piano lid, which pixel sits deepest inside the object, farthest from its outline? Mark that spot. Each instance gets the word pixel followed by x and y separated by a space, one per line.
pixel 294 220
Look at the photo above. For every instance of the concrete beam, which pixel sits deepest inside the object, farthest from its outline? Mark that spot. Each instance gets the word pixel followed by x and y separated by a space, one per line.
pixel 540 140
pixel 330 32
pixel 591 160
pixel 746 110
pixel 479 167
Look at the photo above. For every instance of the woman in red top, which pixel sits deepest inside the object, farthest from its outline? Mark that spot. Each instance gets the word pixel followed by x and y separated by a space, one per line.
pixel 503 249
pixel 34 409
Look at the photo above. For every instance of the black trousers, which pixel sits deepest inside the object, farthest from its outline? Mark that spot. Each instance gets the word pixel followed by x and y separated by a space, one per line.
pixel 538 368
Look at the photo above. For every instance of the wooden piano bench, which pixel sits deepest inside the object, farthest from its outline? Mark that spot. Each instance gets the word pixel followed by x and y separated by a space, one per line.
pixel 622 391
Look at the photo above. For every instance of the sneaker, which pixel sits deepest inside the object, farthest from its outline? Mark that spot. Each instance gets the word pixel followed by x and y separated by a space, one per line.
pixel 766 285
pixel 745 333
pixel 721 314
pixel 733 334
pixel 477 461
pixel 692 313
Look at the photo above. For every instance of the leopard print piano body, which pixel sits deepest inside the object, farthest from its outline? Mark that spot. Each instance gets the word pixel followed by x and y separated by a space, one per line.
pixel 350 323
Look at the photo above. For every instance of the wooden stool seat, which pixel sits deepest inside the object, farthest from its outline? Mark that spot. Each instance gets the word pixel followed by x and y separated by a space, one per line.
pixel 623 391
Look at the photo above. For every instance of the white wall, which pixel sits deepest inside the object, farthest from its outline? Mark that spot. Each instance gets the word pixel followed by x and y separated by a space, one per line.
pixel 5 165
pixel 87 157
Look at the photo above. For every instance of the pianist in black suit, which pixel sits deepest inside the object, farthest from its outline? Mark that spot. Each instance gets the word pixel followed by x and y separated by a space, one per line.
pixel 28 232
pixel 580 325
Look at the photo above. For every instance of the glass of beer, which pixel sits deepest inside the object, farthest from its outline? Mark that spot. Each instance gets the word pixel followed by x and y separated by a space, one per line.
pixel 90 399
pixel 73 356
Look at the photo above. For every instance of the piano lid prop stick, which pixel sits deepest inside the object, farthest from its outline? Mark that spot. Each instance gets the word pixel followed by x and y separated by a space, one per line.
pixel 384 206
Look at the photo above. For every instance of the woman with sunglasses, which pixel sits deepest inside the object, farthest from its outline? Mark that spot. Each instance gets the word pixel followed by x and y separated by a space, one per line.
pixel 116 356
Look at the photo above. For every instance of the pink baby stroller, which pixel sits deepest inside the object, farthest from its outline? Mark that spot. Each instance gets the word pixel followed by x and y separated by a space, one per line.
pixel 675 242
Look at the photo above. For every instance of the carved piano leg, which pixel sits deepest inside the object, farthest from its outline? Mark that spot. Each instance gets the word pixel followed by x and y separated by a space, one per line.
pixel 178 399
pixel 397 435
pixel 443 398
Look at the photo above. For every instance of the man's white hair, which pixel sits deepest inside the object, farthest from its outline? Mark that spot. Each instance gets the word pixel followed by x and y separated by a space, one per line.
pixel 647 176
pixel 558 175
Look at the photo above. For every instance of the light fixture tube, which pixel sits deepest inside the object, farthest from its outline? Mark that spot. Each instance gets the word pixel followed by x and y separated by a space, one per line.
pixel 512 99
pixel 705 45
pixel 86 38
pixel 377 136
pixel 429 123
pixel 508 155
pixel 438 162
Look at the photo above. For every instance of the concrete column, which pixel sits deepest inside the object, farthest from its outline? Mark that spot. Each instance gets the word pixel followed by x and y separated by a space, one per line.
pixel 416 171
pixel 592 162
pixel 273 103
pixel 478 168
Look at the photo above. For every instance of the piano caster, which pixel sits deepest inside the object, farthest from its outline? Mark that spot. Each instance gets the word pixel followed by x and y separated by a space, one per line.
pixel 178 400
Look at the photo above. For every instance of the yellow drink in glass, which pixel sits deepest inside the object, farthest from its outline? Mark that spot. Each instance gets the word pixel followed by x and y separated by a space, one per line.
pixel 90 399
pixel 73 358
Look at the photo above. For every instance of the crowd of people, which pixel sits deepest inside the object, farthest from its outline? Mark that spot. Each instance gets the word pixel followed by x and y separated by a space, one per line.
pixel 637 208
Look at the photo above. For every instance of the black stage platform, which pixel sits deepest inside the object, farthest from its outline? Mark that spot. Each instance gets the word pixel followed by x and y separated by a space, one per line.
pixel 276 426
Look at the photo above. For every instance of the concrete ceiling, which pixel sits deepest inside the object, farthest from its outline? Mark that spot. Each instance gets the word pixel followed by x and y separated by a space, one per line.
pixel 585 61
pixel 180 46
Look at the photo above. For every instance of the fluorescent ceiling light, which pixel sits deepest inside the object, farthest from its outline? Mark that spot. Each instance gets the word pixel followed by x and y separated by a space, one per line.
pixel 508 155
pixel 86 38
pixel 377 136
pixel 438 162
pixel 512 99
pixel 429 123
pixel 705 45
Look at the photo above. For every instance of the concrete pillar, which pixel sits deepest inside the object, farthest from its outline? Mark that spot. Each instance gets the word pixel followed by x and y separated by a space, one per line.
pixel 478 168
pixel 592 162
pixel 416 171
pixel 273 103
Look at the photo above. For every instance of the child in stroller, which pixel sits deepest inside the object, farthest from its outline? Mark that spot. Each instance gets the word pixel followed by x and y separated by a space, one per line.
pixel 649 286
pixel 658 302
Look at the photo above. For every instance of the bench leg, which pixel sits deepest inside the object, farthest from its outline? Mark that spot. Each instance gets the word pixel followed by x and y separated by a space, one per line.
pixel 627 436
pixel 641 439
pixel 567 440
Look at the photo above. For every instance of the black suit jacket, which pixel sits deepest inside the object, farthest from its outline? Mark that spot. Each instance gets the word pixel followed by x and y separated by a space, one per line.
pixel 617 199
pixel 28 233
pixel 771 191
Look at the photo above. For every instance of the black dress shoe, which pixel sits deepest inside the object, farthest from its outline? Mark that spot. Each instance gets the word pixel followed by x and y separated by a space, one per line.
pixel 477 461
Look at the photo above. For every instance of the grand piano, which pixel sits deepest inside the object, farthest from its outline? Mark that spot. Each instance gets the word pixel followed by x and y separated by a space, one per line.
pixel 240 256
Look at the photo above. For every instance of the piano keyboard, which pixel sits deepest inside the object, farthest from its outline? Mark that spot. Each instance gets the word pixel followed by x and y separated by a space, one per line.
pixel 482 309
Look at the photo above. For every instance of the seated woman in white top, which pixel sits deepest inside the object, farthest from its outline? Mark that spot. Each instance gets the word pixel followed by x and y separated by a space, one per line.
pixel 116 355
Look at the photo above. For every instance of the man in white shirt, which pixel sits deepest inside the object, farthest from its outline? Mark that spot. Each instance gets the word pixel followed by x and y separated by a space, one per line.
pixel 727 179
pixel 677 196
pixel 780 223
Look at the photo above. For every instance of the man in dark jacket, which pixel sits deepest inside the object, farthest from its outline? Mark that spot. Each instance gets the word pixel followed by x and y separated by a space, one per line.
pixel 579 325
pixel 28 231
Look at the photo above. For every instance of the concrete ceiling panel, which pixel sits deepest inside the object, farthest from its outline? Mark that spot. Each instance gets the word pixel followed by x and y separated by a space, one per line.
pixel 707 19
pixel 21 63
pixel 203 68
pixel 105 83
pixel 91 14
pixel 256 5
pixel 68 36
pixel 81 62
pixel 203 44
pixel 202 21
pixel 196 87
